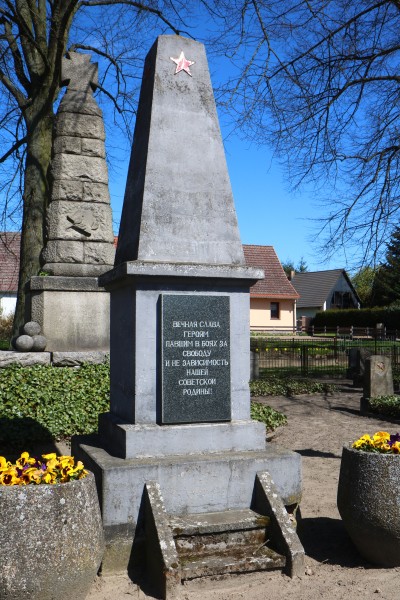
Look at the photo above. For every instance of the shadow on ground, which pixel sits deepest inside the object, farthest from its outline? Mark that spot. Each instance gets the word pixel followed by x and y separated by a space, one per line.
pixel 326 541
pixel 316 453
pixel 24 434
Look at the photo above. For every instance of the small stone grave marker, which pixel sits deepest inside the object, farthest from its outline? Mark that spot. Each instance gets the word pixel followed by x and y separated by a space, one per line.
pixel 378 379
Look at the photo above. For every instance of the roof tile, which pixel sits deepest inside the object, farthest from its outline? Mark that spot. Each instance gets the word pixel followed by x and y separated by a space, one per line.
pixel 315 287
pixel 275 284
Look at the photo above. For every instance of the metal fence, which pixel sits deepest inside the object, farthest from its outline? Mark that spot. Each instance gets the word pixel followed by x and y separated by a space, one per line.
pixel 317 357
pixel 352 331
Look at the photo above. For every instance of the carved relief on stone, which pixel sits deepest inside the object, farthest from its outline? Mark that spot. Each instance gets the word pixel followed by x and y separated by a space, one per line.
pixel 78 221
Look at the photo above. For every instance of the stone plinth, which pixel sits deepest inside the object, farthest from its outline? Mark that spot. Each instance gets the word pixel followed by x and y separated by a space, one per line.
pixel 73 312
pixel 199 483
pixel 201 467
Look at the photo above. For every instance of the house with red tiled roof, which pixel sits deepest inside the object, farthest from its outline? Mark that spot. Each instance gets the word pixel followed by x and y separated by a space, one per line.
pixel 273 299
pixel 9 268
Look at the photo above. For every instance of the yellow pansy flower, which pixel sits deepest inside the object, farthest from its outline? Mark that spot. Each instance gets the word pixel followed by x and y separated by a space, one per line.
pixel 66 461
pixel 50 456
pixel 396 448
pixel 4 464
pixel 9 476
pixel 381 436
pixel 362 441
pixel 28 470
pixel 25 459
pixel 52 464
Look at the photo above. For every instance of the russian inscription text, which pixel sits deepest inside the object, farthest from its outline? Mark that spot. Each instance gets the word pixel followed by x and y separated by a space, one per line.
pixel 195 358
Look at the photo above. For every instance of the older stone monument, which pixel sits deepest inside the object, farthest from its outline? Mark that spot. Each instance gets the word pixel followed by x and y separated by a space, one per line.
pixel 68 303
pixel 179 463
pixel 378 377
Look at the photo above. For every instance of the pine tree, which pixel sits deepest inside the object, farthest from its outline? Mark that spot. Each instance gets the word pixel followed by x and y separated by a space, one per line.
pixel 386 288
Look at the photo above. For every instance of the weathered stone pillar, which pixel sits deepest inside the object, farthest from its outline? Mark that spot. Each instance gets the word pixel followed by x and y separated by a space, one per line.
pixel 72 310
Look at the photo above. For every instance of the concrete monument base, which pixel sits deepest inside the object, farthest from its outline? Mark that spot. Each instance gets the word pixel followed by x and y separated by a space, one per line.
pixel 127 440
pixel 195 483
pixel 74 313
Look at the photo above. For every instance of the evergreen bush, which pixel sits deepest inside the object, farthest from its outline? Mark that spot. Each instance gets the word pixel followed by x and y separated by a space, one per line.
pixel 365 317
pixel 43 403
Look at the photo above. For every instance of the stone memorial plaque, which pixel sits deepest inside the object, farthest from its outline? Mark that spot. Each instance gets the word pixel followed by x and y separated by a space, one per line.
pixel 195 373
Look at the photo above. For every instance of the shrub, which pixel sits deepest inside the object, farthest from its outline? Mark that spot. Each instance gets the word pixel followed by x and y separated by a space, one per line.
pixel 272 418
pixel 389 406
pixel 365 317
pixel 279 386
pixel 44 402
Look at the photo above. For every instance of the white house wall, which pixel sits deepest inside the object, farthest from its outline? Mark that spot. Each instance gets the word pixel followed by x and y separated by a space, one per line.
pixel 260 314
pixel 7 304
pixel 340 286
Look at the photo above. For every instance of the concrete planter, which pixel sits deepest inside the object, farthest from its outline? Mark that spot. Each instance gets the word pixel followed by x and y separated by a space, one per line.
pixel 52 540
pixel 369 504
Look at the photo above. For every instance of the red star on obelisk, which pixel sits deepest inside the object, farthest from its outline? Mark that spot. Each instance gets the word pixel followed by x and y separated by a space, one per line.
pixel 182 64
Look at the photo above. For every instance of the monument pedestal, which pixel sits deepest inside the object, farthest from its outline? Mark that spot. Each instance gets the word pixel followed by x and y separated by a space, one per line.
pixel 200 467
pixel 73 312
pixel 193 483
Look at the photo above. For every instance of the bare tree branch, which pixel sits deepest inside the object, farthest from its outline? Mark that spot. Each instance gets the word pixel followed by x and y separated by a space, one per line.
pixel 138 5
pixel 319 81
pixel 13 149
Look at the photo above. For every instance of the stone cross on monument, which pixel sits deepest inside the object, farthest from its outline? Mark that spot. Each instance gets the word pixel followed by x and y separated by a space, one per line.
pixel 78 73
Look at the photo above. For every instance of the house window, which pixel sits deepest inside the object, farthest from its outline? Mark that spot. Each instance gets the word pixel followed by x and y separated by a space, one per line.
pixel 274 310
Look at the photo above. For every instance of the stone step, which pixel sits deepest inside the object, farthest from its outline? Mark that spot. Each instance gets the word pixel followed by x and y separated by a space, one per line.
pixel 262 559
pixel 214 522
pixel 219 543
pixel 229 532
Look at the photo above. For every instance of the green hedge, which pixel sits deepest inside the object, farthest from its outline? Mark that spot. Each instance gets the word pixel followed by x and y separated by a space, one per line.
pixel 388 406
pixel 43 403
pixel 287 386
pixel 365 317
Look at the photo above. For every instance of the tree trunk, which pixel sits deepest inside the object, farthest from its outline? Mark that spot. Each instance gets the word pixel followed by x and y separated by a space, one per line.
pixel 36 199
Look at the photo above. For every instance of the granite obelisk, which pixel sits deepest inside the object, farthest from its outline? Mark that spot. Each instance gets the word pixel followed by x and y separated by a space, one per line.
pixel 180 401
pixel 178 204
